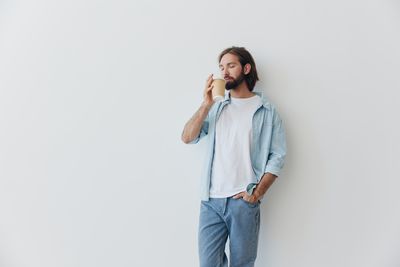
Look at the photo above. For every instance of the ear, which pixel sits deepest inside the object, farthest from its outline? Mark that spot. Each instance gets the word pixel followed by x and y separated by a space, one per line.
pixel 246 69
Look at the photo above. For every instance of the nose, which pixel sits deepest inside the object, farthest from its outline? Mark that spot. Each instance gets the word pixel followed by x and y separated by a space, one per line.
pixel 224 73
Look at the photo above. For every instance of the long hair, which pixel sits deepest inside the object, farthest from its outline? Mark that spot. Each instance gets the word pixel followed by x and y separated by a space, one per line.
pixel 244 58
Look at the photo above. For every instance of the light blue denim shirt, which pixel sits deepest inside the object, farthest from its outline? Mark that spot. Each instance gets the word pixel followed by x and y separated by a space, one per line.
pixel 267 149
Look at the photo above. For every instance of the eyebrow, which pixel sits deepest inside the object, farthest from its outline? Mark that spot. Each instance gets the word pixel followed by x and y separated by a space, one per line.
pixel 220 65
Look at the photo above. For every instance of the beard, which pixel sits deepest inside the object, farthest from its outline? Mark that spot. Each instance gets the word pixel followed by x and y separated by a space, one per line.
pixel 232 85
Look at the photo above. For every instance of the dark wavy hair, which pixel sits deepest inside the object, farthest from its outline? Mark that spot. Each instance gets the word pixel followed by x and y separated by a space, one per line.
pixel 244 58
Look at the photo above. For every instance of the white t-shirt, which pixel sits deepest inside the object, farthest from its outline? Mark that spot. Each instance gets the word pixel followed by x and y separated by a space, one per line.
pixel 232 170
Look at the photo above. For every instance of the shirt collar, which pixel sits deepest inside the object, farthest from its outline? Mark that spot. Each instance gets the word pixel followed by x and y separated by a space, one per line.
pixel 264 99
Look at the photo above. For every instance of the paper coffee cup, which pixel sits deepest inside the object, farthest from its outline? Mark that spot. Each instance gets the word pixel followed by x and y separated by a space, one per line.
pixel 218 91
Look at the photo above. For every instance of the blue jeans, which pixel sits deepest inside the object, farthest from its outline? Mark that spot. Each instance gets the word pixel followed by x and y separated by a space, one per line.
pixel 223 217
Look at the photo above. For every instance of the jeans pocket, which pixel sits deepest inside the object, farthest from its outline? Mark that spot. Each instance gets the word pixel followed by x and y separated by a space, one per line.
pixel 253 205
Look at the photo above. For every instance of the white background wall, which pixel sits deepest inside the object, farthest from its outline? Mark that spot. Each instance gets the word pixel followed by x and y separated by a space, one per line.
pixel 94 96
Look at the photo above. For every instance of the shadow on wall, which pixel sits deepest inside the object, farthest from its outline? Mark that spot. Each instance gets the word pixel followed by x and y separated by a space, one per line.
pixel 297 185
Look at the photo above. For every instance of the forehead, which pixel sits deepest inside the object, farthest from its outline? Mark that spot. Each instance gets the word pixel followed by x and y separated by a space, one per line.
pixel 229 58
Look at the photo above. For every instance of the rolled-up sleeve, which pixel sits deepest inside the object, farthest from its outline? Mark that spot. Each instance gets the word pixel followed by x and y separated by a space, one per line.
pixel 277 153
pixel 203 131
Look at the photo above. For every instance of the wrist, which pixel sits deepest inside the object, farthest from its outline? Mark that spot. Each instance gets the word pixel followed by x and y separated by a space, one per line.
pixel 206 105
pixel 257 194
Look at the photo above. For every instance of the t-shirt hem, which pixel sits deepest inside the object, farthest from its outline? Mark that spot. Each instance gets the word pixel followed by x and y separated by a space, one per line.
pixel 226 194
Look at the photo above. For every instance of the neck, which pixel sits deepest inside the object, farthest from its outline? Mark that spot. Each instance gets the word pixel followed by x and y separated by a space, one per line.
pixel 242 91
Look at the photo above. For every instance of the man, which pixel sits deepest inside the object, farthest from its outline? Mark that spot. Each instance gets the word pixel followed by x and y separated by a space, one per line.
pixel 246 151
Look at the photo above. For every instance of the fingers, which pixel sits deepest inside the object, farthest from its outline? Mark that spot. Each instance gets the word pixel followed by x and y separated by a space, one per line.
pixel 245 197
pixel 209 80
pixel 239 195
pixel 207 93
